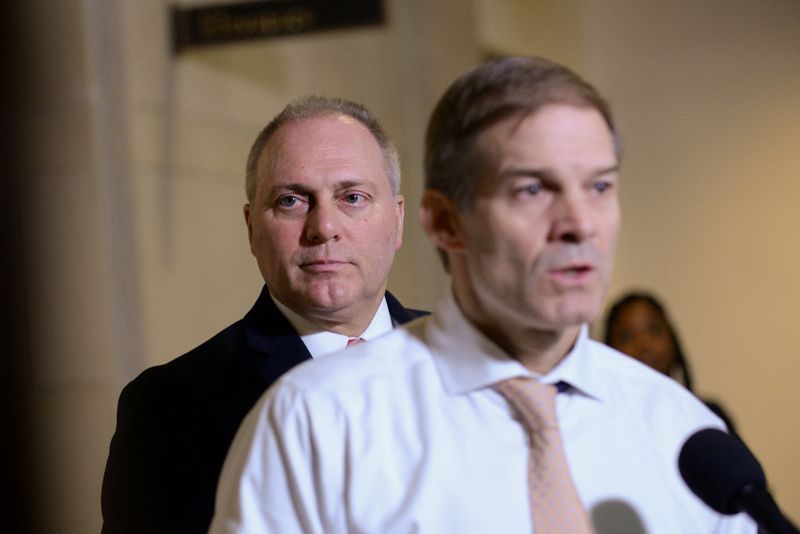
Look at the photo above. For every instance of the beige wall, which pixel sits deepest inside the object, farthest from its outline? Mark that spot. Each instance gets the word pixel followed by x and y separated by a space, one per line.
pixel 72 286
pixel 708 98
pixel 137 247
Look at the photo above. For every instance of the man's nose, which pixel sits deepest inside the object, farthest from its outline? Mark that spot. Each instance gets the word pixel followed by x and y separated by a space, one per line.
pixel 322 223
pixel 573 220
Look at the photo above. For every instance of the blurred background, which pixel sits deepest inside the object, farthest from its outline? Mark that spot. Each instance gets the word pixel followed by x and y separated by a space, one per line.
pixel 123 161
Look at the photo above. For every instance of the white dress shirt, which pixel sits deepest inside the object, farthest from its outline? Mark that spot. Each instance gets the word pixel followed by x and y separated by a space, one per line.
pixel 405 434
pixel 321 342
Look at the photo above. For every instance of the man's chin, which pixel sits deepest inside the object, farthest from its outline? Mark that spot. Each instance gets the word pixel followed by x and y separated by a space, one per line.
pixel 329 298
pixel 577 312
pixel 329 305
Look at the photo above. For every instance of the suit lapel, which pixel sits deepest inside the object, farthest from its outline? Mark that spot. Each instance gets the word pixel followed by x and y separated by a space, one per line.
pixel 273 343
pixel 400 314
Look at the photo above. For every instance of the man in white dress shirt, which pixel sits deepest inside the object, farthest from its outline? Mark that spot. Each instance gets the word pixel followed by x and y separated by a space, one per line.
pixel 409 433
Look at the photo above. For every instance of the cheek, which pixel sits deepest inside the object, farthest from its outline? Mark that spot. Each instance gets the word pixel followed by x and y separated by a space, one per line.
pixel 389 231
pixel 278 241
pixel 503 262
pixel 377 243
pixel 505 245
pixel 611 233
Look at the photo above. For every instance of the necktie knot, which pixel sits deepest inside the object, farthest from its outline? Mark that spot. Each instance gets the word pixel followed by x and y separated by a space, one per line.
pixel 354 341
pixel 533 401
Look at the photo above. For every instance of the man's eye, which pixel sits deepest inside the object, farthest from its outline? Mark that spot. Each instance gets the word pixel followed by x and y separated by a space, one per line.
pixel 602 187
pixel 530 189
pixel 354 198
pixel 288 201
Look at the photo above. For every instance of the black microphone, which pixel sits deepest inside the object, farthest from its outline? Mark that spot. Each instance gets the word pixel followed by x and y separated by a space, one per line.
pixel 721 470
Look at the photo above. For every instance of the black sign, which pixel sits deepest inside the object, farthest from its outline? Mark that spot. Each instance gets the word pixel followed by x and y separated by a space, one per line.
pixel 224 23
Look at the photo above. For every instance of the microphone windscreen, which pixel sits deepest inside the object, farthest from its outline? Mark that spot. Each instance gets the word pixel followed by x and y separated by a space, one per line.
pixel 717 467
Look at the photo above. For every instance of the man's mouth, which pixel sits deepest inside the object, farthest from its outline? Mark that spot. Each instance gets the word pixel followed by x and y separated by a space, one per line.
pixel 576 270
pixel 576 273
pixel 323 265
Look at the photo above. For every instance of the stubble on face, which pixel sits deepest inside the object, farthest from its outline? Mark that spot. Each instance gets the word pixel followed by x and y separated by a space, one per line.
pixel 324 225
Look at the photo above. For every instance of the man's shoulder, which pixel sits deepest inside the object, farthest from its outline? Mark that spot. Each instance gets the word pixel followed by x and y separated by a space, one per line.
pixel 207 389
pixel 203 359
pixel 629 371
pixel 653 396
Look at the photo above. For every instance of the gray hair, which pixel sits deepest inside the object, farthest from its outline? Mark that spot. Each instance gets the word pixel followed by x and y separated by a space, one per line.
pixel 499 89
pixel 320 106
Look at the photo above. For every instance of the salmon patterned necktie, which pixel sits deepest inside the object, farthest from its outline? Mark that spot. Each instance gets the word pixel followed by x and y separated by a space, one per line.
pixel 555 506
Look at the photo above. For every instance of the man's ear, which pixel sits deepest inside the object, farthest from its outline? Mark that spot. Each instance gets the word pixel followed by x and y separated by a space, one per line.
pixel 400 204
pixel 442 221
pixel 247 214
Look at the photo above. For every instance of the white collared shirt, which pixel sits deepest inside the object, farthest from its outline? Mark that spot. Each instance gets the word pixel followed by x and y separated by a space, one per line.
pixel 321 342
pixel 406 434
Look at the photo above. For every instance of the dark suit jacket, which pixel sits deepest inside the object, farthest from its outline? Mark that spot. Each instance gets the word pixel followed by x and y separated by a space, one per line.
pixel 176 421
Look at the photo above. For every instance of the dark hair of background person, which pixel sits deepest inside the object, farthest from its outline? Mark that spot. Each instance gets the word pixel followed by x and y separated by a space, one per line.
pixel 679 364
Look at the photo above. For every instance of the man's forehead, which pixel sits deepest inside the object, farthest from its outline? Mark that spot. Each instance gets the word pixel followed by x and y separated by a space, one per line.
pixel 547 113
pixel 299 165
pixel 319 136
pixel 562 124
pixel 512 150
pixel 282 184
pixel 331 121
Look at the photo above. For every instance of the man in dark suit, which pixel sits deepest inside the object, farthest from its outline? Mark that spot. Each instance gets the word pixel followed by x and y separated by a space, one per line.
pixel 324 218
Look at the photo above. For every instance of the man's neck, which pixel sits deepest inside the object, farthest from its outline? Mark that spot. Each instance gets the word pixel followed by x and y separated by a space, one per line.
pixel 345 322
pixel 538 349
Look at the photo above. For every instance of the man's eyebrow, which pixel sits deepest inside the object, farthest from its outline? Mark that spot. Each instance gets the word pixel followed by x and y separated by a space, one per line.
pixel 614 169
pixel 295 187
pixel 347 184
pixel 304 189
pixel 546 174
pixel 525 172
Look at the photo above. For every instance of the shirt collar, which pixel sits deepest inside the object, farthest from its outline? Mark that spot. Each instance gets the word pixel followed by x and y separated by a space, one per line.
pixel 578 368
pixel 466 360
pixel 320 342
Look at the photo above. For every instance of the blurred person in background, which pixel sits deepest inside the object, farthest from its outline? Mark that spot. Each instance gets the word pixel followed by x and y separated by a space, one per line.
pixel 638 325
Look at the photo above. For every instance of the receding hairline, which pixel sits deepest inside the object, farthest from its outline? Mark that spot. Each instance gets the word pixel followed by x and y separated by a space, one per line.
pixel 313 107
pixel 516 119
pixel 272 146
